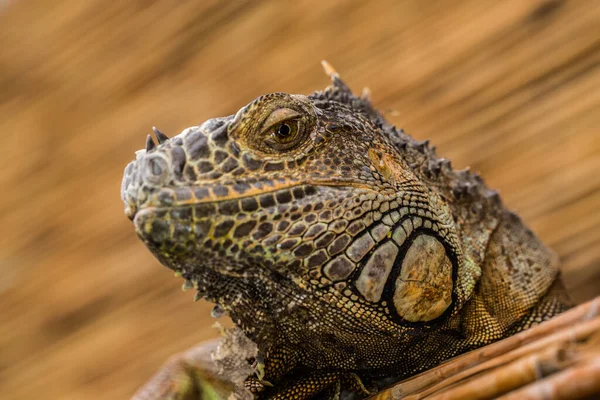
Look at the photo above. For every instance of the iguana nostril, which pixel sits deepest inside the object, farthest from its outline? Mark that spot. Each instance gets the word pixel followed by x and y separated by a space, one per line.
pixel 157 169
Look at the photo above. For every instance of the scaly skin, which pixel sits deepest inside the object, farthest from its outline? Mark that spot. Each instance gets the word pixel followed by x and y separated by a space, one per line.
pixel 346 250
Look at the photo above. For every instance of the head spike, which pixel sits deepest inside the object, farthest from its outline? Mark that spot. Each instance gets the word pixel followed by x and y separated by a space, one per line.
pixel 335 78
pixel 330 71
pixel 149 143
pixel 366 94
pixel 161 137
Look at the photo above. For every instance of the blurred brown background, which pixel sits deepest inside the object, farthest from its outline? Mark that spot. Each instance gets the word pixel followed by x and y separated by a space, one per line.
pixel 511 88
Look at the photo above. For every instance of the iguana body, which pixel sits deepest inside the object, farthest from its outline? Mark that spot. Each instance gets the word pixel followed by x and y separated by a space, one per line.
pixel 346 250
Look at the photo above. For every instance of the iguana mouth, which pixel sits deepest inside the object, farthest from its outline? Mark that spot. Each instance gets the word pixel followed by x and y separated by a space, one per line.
pixel 228 199
pixel 265 194
pixel 193 207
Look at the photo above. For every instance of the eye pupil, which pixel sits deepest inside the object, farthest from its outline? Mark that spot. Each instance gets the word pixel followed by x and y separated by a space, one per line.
pixel 284 135
pixel 284 130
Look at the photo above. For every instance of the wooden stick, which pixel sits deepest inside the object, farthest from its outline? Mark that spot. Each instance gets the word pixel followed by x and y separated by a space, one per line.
pixel 579 382
pixel 573 326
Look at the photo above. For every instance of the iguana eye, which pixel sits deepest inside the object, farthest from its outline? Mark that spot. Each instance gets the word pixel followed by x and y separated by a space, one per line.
pixel 284 135
pixel 283 129
pixel 276 124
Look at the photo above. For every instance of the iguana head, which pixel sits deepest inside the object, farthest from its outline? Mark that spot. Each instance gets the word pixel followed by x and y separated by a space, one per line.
pixel 304 203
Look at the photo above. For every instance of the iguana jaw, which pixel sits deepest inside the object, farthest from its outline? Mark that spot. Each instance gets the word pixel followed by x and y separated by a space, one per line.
pixel 234 236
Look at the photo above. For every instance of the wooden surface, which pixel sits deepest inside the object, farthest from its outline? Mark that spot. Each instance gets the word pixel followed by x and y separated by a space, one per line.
pixel 511 88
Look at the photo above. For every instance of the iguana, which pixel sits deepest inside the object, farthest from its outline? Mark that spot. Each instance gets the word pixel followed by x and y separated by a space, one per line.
pixel 347 251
